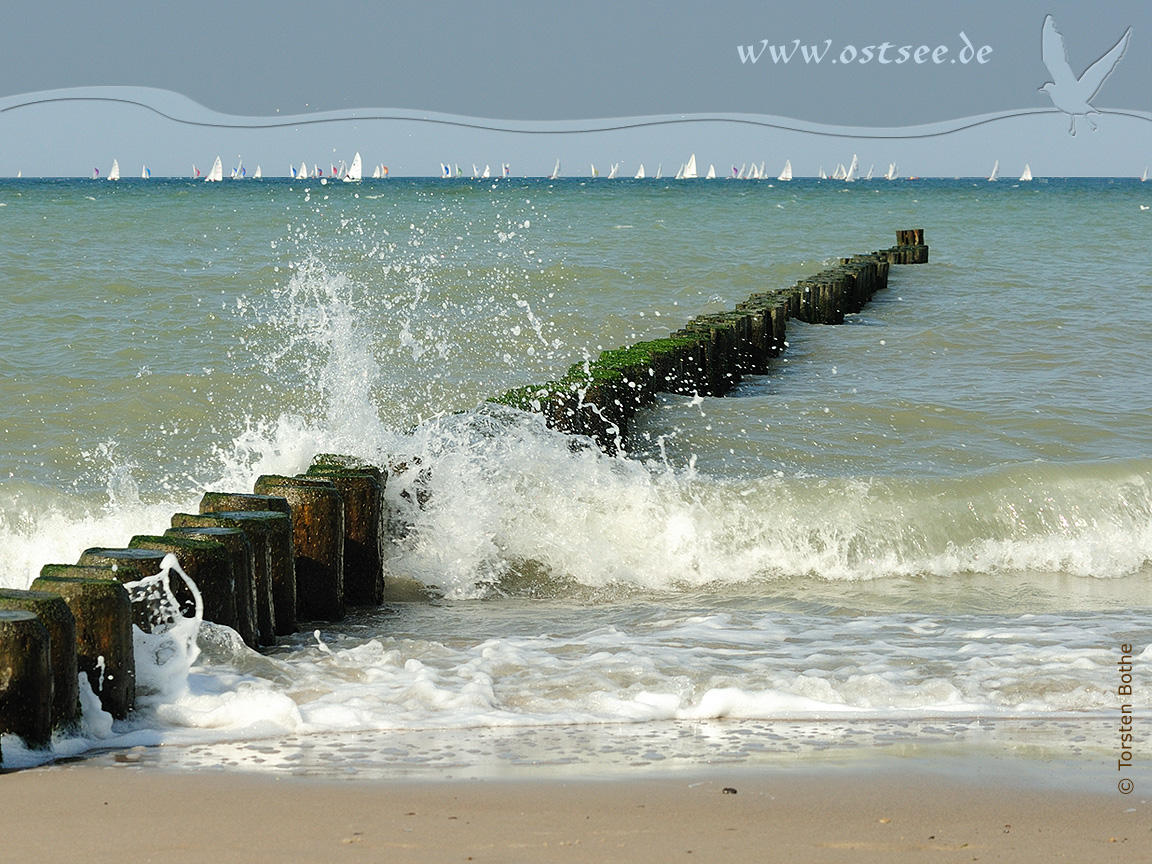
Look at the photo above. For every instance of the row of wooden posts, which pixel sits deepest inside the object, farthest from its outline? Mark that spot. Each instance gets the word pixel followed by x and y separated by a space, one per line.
pixel 302 548
pixel 710 355
pixel 295 549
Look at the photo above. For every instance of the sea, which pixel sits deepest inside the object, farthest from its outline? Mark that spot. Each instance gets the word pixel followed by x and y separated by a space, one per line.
pixel 926 530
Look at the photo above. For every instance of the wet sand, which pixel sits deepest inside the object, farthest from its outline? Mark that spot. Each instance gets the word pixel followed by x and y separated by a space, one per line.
pixel 963 810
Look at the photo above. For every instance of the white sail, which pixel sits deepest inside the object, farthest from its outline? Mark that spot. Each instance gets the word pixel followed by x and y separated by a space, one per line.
pixel 376 173
pixel 853 170
pixel 659 169
pixel 891 175
pixel 258 174
pixel 114 174
pixel 640 173
pixel 195 171
pixel 216 172
pixel 354 172
pixel 761 174
pixel 1027 175
pixel 690 168
pixel 711 175
pixel 614 169
pixel 445 170
pixel 679 172
pixel 840 173
pixel 822 175
pixel 753 173
pixel 868 176
pixel 555 171
pixel 740 174
pixel 786 174
pixel 145 173
pixel 487 172
pixel 302 174
pixel 1144 176
pixel 505 169
pixel 475 171
pixel 995 171
pixel 595 173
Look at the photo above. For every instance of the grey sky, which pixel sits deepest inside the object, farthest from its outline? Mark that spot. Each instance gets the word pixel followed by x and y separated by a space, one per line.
pixel 562 61
pixel 533 60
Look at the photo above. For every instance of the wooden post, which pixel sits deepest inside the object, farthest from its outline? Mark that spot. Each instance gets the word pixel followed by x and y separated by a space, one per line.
pixel 318 538
pixel 362 490
pixel 208 564
pixel 58 620
pixel 255 525
pixel 243 564
pixel 281 551
pixel 103 613
pixel 25 677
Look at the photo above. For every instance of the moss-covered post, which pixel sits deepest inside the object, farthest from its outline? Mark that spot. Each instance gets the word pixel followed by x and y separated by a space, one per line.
pixel 255 525
pixel 103 613
pixel 58 620
pixel 281 551
pixel 362 490
pixel 243 564
pixel 208 563
pixel 318 538
pixel 25 677
pixel 130 565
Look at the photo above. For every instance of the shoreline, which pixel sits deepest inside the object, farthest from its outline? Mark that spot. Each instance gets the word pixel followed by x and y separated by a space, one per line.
pixel 934 808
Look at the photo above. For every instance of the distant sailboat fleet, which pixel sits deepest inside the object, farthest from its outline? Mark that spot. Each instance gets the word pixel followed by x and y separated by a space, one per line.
pixel 354 172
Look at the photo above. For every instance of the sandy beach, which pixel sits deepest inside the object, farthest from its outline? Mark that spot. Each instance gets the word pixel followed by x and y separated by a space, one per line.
pixel 987 809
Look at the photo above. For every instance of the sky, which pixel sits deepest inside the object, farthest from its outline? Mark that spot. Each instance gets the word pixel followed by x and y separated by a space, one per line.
pixel 514 61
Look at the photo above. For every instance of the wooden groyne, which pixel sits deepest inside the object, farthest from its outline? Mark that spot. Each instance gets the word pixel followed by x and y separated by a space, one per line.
pixel 296 550
pixel 711 353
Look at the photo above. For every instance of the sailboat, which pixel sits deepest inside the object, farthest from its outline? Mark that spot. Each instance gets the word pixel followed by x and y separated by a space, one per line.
pixel 659 169
pixel 555 171
pixel 114 174
pixel 217 173
pixel 145 173
pixel 487 172
pixel 995 175
pixel 640 173
pixel 376 173
pixel 505 169
pixel 869 175
pixel 1144 176
pixel 690 168
pixel 822 175
pixel 853 170
pixel 1027 175
pixel 595 173
pixel 95 173
pixel 475 172
pixel 891 175
pixel 679 172
pixel 612 172
pixel 302 174
pixel 786 174
pixel 238 173
pixel 195 171
pixel 258 174
pixel 711 175
pixel 445 170
pixel 354 172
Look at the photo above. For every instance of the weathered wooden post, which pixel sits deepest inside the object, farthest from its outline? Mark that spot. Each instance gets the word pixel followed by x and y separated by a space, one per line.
pixel 131 565
pixel 362 491
pixel 281 551
pixel 256 526
pixel 58 620
pixel 240 550
pixel 25 677
pixel 103 613
pixel 208 564
pixel 318 538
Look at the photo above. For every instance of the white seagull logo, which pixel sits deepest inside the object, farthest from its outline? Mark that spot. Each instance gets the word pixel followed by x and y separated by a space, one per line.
pixel 1070 94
